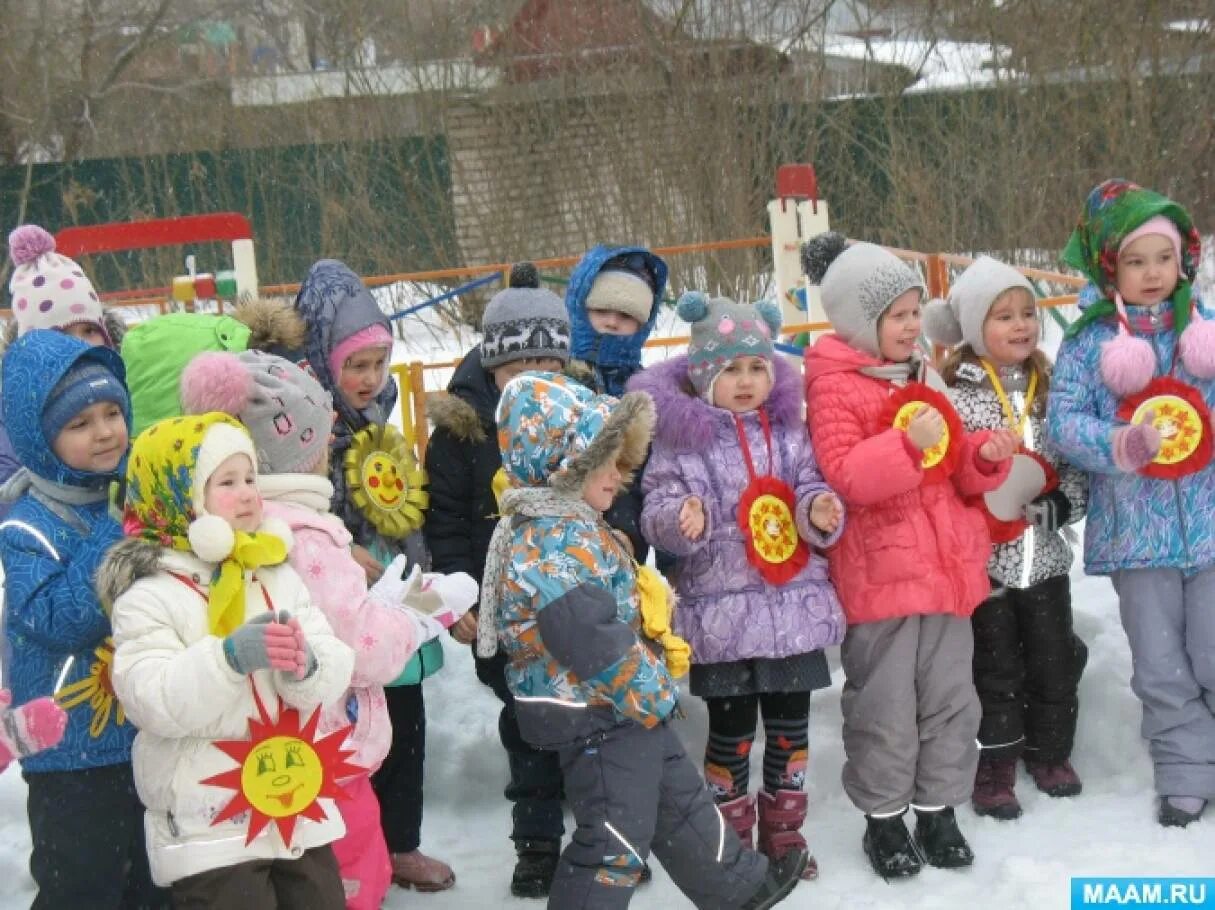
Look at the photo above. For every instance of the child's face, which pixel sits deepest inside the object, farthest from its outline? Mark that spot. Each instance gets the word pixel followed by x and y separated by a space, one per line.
pixel 508 371
pixel 899 327
pixel 87 332
pixel 601 486
pixel 610 322
pixel 231 493
pixel 1148 270
pixel 743 385
pixel 1010 331
pixel 94 440
pixel 363 376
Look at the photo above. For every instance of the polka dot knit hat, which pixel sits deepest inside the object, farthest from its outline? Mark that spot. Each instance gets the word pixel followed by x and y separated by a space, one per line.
pixel 49 291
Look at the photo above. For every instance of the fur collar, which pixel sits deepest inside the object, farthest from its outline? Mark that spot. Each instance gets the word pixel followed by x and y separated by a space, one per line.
pixel 455 415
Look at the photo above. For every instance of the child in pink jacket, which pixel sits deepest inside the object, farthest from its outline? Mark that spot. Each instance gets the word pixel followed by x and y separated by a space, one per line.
pixel 289 416
pixel 911 564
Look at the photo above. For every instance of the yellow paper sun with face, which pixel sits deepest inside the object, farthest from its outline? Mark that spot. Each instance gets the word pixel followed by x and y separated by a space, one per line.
pixel 283 771
pixel 384 480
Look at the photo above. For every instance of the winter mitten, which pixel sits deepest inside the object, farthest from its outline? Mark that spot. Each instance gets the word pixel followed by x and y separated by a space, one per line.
pixel 657 602
pixel 1135 445
pixel 34 726
pixel 390 589
pixel 262 643
pixel 1049 512
pixel 305 659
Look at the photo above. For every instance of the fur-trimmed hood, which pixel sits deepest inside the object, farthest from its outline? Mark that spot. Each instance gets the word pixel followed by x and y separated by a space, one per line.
pixel 126 562
pixel 274 326
pixel 466 409
pixel 688 423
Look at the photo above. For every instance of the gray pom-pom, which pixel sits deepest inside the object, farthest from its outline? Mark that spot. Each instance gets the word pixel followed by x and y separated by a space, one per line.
pixel 769 312
pixel 940 324
pixel 693 306
pixel 524 275
pixel 819 252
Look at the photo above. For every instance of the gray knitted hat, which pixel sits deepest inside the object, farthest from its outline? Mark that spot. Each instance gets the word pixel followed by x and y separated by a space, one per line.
pixel 960 317
pixel 723 330
pixel 858 284
pixel 524 321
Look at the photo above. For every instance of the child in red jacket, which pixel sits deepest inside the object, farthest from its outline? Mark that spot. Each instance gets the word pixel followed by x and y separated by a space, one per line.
pixel 911 565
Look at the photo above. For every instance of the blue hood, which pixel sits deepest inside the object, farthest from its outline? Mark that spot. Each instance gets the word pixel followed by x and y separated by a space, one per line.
pixel 335 304
pixel 33 366
pixel 586 343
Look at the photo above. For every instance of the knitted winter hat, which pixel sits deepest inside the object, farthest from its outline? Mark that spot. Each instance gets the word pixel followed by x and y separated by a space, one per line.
pixel 960 317
pixel 524 321
pixel 858 284
pixel 723 330
pixel 1114 211
pixel 49 291
pixel 622 290
pixel 555 431
pixel 286 411
pixel 85 384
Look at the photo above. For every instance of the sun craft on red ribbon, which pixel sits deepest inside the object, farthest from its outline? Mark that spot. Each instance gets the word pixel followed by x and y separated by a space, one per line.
pixel 940 460
pixel 283 771
pixel 1030 485
pixel 765 512
pixel 1181 416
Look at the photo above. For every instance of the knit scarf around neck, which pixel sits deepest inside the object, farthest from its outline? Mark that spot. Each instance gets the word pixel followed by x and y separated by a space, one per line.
pixel 526 502
pixel 58 497
pixel 226 598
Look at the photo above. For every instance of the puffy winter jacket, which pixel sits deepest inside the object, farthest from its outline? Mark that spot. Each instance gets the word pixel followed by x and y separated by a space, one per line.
pixel 910 547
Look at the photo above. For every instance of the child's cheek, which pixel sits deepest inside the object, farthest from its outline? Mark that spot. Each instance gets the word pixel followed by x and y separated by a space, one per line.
pixel 222 502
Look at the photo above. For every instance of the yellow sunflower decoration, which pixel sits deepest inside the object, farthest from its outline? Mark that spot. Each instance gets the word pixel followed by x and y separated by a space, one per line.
pixel 97 689
pixel 385 481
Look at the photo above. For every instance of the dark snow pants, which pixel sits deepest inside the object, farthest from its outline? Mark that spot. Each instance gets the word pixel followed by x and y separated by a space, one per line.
pixel 398 782
pixel 1028 662
pixel 633 790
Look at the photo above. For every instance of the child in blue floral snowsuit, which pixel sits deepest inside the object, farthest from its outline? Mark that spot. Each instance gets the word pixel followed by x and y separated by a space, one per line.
pixel 560 597
pixel 68 415
pixel 1152 494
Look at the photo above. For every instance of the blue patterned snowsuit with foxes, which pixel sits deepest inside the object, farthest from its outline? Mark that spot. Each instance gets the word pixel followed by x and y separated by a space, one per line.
pixel 585 683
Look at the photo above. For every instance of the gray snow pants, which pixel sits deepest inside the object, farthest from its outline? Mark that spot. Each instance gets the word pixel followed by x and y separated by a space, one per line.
pixel 632 789
pixel 1169 620
pixel 911 713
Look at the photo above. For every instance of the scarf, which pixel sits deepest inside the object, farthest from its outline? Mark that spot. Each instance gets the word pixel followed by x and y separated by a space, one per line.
pixel 518 504
pixel 311 491
pixel 226 598
pixel 58 497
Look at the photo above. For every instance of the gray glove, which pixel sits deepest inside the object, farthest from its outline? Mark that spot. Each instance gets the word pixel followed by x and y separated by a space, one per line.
pixel 262 643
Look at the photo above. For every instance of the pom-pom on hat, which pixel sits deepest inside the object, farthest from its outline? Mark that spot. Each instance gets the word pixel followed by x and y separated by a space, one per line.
pixel 49 290
pixel 286 411
pixel 858 284
pixel 524 321
pixel 723 330
pixel 960 317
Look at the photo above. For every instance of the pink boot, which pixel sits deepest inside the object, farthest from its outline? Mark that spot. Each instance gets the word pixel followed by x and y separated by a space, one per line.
pixel 780 820
pixel 739 813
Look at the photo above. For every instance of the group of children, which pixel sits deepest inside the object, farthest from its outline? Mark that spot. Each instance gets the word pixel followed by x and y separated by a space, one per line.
pixel 916 517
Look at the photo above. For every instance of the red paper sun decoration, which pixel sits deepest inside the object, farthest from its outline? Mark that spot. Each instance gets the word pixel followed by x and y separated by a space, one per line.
pixel 940 460
pixel 283 770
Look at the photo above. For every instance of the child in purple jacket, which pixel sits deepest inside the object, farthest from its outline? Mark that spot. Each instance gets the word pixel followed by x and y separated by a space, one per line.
pixel 733 492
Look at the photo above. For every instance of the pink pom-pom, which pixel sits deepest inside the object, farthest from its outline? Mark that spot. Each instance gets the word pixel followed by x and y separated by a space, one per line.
pixel 1127 365
pixel 28 242
pixel 215 381
pixel 1197 348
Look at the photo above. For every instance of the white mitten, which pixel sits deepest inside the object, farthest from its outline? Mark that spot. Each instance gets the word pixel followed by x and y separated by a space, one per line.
pixel 443 599
pixel 391 588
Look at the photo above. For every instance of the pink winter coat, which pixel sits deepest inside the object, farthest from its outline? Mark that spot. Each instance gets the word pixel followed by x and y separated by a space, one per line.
pixel 909 547
pixel 383 638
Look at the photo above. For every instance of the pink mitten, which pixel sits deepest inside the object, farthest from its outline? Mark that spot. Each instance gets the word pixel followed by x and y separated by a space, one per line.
pixel 305 659
pixel 34 726
pixel 1135 445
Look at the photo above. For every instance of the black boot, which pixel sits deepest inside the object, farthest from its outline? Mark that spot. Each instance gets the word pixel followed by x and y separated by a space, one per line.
pixel 940 841
pixel 535 867
pixel 889 847
pixel 1171 816
pixel 783 876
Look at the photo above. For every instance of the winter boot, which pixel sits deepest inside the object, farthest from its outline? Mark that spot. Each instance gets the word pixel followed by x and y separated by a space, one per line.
pixel 993 795
pixel 1054 779
pixel 1179 811
pixel 535 867
pixel 940 841
pixel 889 847
pixel 783 876
pixel 421 872
pixel 739 813
pixel 781 815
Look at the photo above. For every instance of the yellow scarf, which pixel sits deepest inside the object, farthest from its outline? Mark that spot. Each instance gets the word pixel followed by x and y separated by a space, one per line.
pixel 226 600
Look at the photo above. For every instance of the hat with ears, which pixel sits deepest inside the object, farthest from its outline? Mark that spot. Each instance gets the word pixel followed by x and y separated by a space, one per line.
pixel 524 321
pixel 858 284
pixel 286 411
pixel 49 290
pixel 959 318
pixel 723 330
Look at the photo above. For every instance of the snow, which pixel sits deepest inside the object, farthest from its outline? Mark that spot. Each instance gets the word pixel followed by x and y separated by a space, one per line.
pixel 936 64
